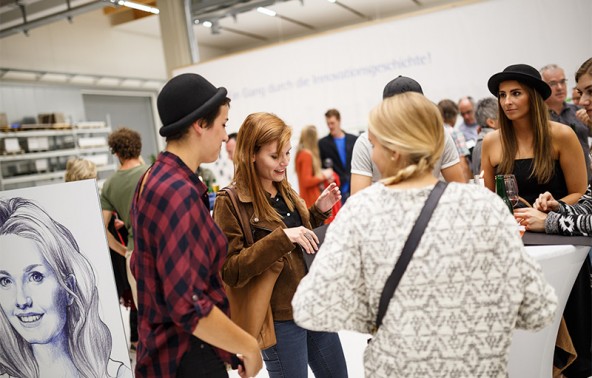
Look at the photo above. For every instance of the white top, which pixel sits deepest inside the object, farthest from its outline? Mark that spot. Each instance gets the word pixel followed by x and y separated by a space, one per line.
pixel 470 282
pixel 363 165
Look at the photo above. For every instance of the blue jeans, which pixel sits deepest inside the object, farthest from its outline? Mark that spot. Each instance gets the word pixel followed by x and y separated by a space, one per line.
pixel 296 348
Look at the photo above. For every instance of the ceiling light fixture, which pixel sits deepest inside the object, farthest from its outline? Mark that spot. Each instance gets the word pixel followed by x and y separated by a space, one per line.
pixel 142 7
pixel 332 1
pixel 207 24
pixel 267 12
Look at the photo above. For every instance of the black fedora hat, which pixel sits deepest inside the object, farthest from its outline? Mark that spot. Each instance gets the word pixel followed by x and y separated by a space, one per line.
pixel 185 99
pixel 522 73
pixel 401 84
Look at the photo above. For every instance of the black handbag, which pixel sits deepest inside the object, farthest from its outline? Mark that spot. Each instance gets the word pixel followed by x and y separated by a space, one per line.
pixel 408 249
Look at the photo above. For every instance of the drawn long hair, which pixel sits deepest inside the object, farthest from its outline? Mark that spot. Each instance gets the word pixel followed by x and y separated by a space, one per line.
pixel 89 338
pixel 257 130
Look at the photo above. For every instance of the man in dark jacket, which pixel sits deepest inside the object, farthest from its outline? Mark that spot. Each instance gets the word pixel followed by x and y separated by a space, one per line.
pixel 336 151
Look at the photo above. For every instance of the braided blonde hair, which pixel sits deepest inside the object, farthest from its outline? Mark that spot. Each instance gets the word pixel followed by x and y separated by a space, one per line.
pixel 410 124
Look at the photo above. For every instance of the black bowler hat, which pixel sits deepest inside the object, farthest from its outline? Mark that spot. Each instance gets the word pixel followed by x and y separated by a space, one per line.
pixel 185 99
pixel 401 84
pixel 522 73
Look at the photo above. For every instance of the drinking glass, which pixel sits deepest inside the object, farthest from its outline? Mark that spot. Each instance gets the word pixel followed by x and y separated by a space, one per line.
pixel 512 189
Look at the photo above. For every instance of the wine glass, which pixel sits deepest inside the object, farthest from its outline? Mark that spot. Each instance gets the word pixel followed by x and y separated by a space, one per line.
pixel 512 189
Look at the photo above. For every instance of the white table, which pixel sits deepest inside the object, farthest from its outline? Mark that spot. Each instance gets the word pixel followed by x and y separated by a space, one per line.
pixel 531 353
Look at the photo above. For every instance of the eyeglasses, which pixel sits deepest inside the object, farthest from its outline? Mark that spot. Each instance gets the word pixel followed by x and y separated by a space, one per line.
pixel 562 82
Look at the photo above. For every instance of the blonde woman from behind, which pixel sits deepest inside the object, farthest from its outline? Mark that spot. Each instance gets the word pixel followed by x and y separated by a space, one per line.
pixel 469 281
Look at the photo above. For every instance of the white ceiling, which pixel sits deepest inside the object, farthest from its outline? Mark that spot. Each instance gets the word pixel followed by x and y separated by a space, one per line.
pixel 238 24
pixel 319 15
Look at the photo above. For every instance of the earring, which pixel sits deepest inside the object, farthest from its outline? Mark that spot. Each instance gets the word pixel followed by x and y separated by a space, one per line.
pixel 392 158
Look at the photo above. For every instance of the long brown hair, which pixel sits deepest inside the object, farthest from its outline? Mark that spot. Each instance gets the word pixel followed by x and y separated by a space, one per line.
pixel 258 130
pixel 309 141
pixel 543 161
pixel 585 68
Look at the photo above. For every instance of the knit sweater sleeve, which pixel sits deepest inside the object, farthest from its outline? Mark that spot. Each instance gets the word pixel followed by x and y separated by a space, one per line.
pixel 574 220
pixel 337 269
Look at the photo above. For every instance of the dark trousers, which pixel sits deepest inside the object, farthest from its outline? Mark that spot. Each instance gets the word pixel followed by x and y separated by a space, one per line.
pixel 578 318
pixel 201 361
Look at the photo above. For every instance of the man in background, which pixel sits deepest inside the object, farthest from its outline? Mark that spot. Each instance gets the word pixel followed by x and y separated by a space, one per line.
pixel 469 126
pixel 231 145
pixel 562 112
pixel 224 166
pixel 486 114
pixel 336 151
pixel 449 111
pixel 364 172
pixel 118 191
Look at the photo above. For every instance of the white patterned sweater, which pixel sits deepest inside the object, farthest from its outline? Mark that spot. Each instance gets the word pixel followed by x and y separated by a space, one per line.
pixel 469 284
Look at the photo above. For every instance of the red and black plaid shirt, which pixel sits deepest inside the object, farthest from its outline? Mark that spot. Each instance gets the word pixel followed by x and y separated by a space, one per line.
pixel 179 252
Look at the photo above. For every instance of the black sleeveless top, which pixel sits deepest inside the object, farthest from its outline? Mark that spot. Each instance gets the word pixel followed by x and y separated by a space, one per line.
pixel 529 188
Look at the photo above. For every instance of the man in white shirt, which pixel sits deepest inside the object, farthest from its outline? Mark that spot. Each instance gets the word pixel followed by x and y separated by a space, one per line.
pixel 363 170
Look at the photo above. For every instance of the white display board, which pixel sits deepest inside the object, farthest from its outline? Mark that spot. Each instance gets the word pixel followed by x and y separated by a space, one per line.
pixel 451 52
pixel 59 307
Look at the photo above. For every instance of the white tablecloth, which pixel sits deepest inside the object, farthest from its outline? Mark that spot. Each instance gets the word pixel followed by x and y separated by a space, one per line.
pixel 531 353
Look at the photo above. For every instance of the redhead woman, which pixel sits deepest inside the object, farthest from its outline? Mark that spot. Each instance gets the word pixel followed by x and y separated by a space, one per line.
pixel 183 324
pixel 281 228
pixel 543 155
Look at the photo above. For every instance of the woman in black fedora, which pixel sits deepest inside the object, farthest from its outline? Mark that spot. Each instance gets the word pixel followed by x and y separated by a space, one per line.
pixel 184 328
pixel 543 155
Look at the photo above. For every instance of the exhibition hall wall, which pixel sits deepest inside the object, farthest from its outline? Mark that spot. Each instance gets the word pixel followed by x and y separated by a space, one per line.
pixel 451 52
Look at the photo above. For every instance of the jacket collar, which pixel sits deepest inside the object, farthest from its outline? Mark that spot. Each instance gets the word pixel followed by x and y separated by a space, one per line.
pixel 245 197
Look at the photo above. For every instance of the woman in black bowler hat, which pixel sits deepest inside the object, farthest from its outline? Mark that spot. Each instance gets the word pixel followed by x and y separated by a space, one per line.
pixel 543 155
pixel 184 329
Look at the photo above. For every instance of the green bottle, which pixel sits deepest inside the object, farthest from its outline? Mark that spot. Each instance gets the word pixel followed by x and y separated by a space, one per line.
pixel 500 189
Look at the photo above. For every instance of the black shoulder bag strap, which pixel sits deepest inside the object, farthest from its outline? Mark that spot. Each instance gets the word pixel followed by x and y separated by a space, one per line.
pixel 408 249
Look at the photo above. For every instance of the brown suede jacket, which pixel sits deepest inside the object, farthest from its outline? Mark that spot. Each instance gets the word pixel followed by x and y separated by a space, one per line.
pixel 271 244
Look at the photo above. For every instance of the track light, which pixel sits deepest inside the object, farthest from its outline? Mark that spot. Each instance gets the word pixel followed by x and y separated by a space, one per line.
pixel 142 7
pixel 265 11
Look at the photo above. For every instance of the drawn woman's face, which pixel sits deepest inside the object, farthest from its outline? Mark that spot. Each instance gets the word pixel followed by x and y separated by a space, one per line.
pixel 30 295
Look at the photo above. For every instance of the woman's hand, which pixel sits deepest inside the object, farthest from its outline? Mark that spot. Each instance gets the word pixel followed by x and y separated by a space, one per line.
pixel 251 364
pixel 328 198
pixel 546 203
pixel 531 219
pixel 583 116
pixel 304 237
pixel 328 174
